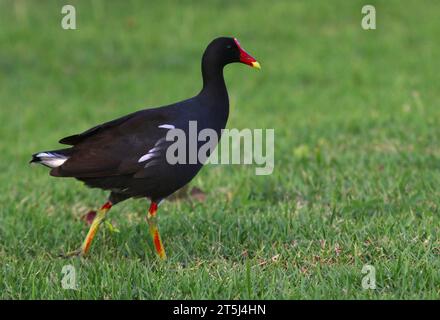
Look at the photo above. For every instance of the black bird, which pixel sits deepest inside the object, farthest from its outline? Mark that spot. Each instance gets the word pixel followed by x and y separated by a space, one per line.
pixel 127 156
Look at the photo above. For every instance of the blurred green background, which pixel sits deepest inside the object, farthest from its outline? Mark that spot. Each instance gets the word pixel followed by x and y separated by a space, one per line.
pixel 357 157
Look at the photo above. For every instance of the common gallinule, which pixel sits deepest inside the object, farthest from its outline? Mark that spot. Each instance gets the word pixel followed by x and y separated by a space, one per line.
pixel 127 156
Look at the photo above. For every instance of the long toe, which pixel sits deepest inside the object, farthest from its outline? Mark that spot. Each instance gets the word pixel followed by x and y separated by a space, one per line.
pixel 70 254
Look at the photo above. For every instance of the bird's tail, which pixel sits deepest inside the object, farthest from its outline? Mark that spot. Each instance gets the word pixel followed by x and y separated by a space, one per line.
pixel 51 159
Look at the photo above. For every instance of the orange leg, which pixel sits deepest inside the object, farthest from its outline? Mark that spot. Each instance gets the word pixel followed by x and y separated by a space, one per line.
pixel 100 215
pixel 154 231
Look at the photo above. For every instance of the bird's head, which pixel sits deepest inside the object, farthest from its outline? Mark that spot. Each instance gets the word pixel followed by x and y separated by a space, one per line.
pixel 225 50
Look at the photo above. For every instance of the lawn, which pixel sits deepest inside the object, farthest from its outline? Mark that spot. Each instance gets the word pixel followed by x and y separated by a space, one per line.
pixel 357 150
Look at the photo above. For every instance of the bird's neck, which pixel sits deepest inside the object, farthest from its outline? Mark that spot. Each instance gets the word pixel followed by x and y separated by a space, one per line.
pixel 214 86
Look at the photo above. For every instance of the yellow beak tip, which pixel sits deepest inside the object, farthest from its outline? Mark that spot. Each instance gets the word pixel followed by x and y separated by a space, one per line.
pixel 256 65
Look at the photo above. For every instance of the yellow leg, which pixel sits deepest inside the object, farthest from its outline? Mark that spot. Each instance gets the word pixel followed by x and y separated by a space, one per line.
pixel 100 215
pixel 154 231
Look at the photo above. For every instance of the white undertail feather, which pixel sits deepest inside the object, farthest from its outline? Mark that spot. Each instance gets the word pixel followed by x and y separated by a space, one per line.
pixel 51 160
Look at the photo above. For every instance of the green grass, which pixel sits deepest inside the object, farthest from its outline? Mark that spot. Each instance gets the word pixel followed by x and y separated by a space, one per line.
pixel 357 155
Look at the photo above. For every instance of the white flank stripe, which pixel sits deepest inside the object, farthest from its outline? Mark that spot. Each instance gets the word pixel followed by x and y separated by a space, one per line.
pixel 167 126
pixel 146 157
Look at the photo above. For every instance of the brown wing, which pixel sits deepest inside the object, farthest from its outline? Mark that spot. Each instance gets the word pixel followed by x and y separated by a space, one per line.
pixel 77 138
pixel 114 148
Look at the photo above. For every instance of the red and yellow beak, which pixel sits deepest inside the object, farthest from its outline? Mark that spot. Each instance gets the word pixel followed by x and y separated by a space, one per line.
pixel 246 58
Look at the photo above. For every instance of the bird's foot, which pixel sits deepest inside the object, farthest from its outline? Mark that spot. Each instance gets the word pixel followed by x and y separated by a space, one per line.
pixel 74 253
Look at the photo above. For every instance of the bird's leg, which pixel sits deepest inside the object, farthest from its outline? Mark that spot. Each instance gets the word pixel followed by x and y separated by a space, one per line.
pixel 100 215
pixel 154 231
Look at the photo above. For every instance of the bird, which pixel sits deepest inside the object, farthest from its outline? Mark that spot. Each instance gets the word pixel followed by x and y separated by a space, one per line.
pixel 128 156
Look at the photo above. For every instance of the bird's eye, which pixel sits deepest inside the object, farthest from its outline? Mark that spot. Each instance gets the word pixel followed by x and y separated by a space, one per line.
pixel 229 46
